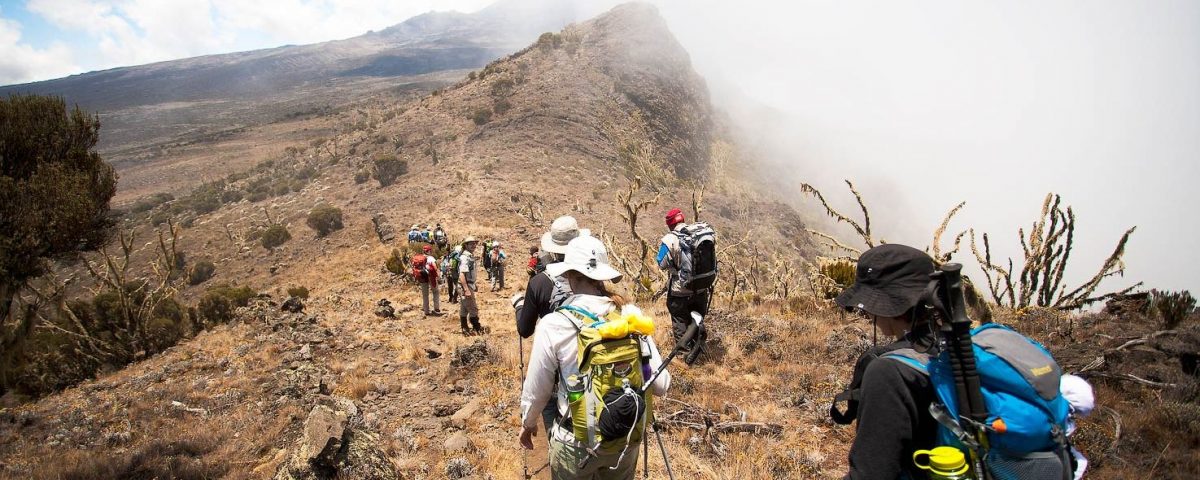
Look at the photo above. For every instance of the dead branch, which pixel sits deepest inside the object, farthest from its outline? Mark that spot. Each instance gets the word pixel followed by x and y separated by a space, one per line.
pixel 863 230
pixel 937 236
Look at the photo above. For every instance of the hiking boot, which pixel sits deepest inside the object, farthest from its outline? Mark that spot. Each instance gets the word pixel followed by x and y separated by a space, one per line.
pixel 465 332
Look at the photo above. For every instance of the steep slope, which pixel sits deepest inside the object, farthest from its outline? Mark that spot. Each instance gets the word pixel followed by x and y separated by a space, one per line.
pixel 561 127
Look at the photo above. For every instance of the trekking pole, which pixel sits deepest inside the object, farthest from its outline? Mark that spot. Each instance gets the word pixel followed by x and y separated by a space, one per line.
pixel 521 374
pixel 684 340
pixel 646 454
pixel 663 449
pixel 957 332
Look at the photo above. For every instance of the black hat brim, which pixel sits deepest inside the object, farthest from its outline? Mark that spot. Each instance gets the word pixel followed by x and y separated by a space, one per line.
pixel 875 301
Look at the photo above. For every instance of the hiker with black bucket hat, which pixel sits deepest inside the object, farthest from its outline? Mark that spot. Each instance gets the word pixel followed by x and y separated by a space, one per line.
pixel 889 399
pixel 618 424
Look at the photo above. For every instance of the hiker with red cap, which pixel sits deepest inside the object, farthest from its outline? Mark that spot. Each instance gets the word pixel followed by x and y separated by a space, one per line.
pixel 688 254
pixel 425 271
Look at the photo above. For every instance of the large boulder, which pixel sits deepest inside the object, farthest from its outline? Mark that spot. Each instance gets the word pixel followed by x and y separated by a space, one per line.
pixel 334 444
pixel 383 229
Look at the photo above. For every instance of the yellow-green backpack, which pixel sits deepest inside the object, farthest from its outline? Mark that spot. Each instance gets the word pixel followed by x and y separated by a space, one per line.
pixel 609 369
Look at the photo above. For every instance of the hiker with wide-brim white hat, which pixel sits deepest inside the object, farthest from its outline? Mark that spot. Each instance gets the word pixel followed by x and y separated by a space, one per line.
pixel 544 293
pixel 555 355
pixel 468 308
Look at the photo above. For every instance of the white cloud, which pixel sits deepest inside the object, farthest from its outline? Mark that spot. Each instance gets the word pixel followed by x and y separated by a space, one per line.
pixel 20 62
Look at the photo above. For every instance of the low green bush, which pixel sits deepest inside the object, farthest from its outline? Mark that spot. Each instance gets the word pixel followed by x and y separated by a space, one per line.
pixel 325 219
pixel 274 236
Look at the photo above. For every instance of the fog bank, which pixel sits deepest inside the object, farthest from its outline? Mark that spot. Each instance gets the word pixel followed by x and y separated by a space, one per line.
pixel 925 104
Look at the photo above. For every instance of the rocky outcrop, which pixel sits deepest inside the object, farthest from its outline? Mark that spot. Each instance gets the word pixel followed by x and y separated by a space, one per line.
pixel 335 444
pixel 384 309
pixel 383 229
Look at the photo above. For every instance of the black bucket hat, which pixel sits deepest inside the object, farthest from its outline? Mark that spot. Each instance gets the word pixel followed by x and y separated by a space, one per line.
pixel 889 281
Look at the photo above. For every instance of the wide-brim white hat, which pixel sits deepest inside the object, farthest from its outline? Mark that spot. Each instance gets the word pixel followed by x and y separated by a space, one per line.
pixel 562 231
pixel 586 255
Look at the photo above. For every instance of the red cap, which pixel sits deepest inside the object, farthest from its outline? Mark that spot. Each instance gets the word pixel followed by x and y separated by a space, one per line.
pixel 674 217
pixel 427 248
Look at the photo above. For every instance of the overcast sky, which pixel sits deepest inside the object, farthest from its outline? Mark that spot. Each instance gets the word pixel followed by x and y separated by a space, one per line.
pixel 927 103
pixel 921 103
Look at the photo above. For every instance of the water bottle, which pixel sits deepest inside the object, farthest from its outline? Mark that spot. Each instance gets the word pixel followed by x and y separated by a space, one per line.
pixel 943 463
pixel 574 388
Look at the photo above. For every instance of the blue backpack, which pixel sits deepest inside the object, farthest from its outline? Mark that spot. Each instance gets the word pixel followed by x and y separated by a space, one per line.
pixel 1027 415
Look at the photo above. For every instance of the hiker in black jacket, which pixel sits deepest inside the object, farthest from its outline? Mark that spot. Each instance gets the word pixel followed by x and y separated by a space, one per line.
pixel 892 400
pixel 540 297
pixel 537 301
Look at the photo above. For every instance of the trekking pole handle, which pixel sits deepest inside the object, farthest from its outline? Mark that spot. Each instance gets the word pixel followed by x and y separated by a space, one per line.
pixel 962 352
pixel 687 337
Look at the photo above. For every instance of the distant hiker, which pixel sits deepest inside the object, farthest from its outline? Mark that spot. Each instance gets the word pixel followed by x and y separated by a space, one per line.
pixel 414 234
pixel 688 254
pixel 487 258
pixel 591 441
pixel 426 272
pixel 439 237
pixel 895 388
pixel 452 288
pixel 545 293
pixel 534 265
pixel 426 234
pixel 499 260
pixel 468 309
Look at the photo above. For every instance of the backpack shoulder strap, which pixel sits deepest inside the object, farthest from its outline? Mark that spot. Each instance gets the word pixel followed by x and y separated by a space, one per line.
pixel 917 360
pixel 577 316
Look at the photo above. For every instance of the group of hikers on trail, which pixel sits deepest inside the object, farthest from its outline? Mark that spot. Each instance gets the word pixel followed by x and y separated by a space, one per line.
pixel 459 266
pixel 422 233
pixel 943 401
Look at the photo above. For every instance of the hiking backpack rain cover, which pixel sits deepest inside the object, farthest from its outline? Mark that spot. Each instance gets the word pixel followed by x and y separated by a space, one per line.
pixel 420 267
pixel 606 367
pixel 1027 415
pixel 697 256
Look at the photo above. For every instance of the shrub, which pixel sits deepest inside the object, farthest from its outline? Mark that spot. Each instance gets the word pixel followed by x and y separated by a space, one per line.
pixel 1173 306
pixel 306 172
pixel 361 176
pixel 388 168
pixel 502 87
pixel 231 195
pixel 239 296
pixel 325 219
pixel 205 203
pixel 482 116
pixel 215 308
pixel 840 275
pixel 395 263
pixel 274 236
pixel 500 106
pixel 298 292
pixel 201 272
pixel 145 204
pixel 549 40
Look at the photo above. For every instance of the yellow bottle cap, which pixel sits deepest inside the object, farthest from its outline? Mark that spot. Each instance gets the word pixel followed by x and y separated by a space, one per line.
pixel 942 460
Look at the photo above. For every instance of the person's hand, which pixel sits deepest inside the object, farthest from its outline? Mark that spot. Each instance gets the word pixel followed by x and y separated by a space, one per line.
pixel 467 293
pixel 527 435
pixel 517 299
